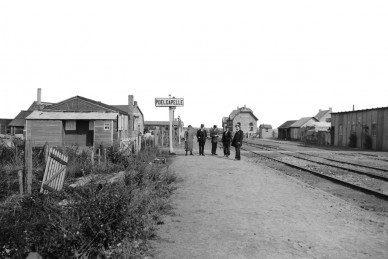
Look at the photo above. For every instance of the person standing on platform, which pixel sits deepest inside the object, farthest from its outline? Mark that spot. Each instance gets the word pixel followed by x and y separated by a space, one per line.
pixel 226 139
pixel 237 140
pixel 201 138
pixel 214 136
pixel 189 136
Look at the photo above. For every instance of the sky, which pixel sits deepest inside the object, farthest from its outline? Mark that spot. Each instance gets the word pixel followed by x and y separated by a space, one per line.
pixel 283 59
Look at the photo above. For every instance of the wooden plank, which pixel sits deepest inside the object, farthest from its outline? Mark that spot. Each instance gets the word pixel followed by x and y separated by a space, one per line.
pixel 63 175
pixel 28 164
pixel 55 169
pixel 48 188
pixel 54 176
pixel 58 158
pixel 54 172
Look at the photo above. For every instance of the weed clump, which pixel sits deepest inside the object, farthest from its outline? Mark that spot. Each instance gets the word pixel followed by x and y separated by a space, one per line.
pixel 109 219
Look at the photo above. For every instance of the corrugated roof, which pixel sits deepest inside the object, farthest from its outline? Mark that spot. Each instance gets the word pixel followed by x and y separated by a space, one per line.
pixel 20 119
pixel 378 108
pixel 45 115
pixel 34 106
pixel 103 105
pixel 287 124
pixel 301 122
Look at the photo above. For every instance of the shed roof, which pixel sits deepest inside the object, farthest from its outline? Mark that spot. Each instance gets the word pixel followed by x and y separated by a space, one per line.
pixel 302 121
pixel 159 123
pixel 34 106
pixel 124 108
pixel 103 105
pixel 20 119
pixel 286 125
pixel 46 115
pixel 265 126
pixel 379 108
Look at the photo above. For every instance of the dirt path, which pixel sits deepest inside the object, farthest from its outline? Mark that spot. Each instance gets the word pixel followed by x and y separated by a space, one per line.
pixel 238 209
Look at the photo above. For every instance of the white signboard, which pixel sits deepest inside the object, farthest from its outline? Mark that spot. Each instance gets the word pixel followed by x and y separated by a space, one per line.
pixel 169 102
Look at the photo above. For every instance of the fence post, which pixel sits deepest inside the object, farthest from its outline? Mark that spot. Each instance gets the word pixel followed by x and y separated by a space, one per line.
pixel 28 167
pixel 92 157
pixel 105 161
pixel 20 177
pixel 46 151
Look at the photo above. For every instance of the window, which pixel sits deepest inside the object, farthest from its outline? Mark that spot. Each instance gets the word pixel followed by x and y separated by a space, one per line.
pixel 374 129
pixel 106 126
pixel 340 130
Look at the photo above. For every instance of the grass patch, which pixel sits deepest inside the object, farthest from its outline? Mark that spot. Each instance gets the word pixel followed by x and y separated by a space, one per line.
pixel 113 220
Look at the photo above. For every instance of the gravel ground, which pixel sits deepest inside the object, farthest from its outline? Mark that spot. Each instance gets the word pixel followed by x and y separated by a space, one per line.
pixel 244 209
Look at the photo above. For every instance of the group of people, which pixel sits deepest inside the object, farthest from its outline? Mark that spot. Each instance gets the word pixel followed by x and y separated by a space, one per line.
pixel 226 140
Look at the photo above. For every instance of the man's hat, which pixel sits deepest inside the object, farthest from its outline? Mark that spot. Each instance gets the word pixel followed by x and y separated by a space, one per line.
pixel 215 126
pixel 238 124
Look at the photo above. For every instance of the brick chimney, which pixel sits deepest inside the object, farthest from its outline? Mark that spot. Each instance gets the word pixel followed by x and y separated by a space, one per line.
pixel 39 99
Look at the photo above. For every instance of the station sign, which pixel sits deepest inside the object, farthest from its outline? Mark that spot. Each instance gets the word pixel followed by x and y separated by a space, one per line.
pixel 169 102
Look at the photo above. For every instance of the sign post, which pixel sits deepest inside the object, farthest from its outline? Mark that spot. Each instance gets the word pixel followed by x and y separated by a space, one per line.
pixel 171 103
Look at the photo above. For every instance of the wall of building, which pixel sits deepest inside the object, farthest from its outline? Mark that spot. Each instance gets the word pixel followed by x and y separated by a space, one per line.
pixel 42 131
pixel 373 122
pixel 245 119
pixel 265 133
pixel 103 136
pixel 4 128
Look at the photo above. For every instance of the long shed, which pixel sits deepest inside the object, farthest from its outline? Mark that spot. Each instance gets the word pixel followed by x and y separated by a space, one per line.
pixel 72 128
pixel 364 124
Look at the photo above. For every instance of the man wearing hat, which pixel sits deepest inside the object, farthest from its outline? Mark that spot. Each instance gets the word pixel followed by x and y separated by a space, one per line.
pixel 214 136
pixel 237 140
pixel 201 138
pixel 226 138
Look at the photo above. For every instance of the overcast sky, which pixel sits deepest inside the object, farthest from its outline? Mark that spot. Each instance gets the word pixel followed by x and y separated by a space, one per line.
pixel 283 59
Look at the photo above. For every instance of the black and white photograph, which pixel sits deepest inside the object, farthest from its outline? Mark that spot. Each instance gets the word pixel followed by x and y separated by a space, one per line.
pixel 194 129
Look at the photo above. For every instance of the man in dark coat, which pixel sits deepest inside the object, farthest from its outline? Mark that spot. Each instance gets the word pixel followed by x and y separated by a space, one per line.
pixel 237 140
pixel 214 136
pixel 201 138
pixel 226 139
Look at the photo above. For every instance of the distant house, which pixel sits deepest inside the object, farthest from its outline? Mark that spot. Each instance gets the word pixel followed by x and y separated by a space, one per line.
pixel 83 122
pixel 244 116
pixel 17 125
pixel 265 131
pixel 366 125
pixel 284 130
pixel 4 126
pixel 296 133
pixel 323 115
pixel 316 133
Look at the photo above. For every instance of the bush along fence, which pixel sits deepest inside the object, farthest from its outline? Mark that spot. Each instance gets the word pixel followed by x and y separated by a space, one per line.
pixel 92 214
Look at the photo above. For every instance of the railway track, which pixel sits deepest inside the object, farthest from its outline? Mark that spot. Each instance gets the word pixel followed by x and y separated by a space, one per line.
pixel 373 183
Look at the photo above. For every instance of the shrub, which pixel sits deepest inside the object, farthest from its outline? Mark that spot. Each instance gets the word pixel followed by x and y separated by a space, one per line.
pixel 110 219
pixel 368 142
pixel 353 140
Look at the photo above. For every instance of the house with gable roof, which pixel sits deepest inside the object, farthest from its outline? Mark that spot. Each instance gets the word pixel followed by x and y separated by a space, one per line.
pixel 84 122
pixel 245 117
